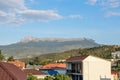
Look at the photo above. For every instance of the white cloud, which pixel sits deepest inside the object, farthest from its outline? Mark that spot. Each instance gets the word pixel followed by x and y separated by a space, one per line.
pixel 105 3
pixel 39 15
pixel 109 14
pixel 15 11
pixel 91 2
pixel 10 5
pixel 75 16
pixel 111 3
pixel 6 17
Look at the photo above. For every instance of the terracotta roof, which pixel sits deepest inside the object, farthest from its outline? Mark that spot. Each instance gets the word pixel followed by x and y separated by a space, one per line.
pixel 18 63
pixel 11 72
pixel 33 71
pixel 114 72
pixel 56 65
pixel 77 58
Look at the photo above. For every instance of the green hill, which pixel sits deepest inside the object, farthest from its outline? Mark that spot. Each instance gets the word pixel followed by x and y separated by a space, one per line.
pixel 101 51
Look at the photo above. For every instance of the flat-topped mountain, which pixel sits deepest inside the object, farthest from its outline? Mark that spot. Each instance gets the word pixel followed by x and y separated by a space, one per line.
pixel 35 39
pixel 32 46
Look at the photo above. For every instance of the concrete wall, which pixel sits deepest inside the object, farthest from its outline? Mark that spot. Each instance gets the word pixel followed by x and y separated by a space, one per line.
pixel 96 69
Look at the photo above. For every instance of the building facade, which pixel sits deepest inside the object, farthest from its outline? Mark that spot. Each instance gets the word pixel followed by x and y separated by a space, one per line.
pixel 88 68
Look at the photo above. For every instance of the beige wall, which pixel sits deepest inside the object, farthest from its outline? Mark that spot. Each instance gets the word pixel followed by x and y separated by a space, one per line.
pixel 40 76
pixel 95 68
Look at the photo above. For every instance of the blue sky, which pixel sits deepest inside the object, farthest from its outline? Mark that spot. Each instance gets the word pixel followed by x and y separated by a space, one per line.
pixel 95 19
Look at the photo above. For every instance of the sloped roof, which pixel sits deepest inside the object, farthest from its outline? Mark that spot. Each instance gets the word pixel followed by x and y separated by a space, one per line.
pixel 14 72
pixel 33 71
pixel 55 65
pixel 77 58
pixel 114 72
pixel 18 63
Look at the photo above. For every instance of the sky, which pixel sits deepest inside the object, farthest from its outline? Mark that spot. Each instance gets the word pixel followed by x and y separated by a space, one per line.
pixel 95 19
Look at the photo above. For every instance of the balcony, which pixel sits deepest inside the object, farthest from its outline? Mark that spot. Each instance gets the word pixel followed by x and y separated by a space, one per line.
pixel 78 72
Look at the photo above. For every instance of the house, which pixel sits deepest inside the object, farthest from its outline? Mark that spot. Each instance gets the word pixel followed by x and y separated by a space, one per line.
pixel 19 64
pixel 55 68
pixel 35 73
pixel 11 72
pixel 86 67
pixel 28 66
pixel 115 54
pixel 114 75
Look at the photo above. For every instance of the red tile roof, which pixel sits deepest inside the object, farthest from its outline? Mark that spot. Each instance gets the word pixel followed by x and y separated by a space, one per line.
pixel 11 72
pixel 114 72
pixel 18 63
pixel 56 65
pixel 33 71
pixel 77 58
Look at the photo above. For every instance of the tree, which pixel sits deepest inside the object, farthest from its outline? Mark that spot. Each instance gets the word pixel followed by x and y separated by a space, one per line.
pixel 31 77
pixel 1 56
pixel 11 58
pixel 49 78
pixel 58 77
pixel 61 77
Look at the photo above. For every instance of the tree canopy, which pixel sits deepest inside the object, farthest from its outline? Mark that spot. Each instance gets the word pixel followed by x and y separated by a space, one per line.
pixel 1 56
pixel 11 58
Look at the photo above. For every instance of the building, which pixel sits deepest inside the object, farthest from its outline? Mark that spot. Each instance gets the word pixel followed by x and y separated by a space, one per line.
pixel 56 68
pixel 86 67
pixel 114 75
pixel 11 72
pixel 35 73
pixel 28 66
pixel 19 64
pixel 115 55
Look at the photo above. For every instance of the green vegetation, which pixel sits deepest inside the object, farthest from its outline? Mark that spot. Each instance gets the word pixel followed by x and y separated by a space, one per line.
pixel 31 77
pixel 58 77
pixel 101 51
pixel 1 56
pixel 54 77
pixel 11 58
pixel 49 78
pixel 61 77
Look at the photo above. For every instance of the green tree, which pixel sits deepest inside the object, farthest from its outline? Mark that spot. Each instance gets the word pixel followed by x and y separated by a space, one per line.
pixel 1 56
pixel 31 77
pixel 11 58
pixel 81 53
pixel 61 77
pixel 36 61
pixel 49 78
pixel 58 77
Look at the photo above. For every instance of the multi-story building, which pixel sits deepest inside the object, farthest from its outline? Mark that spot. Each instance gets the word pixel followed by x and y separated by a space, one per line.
pixel 88 68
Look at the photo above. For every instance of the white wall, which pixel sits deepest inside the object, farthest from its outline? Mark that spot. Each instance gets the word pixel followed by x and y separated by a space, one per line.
pixel 95 69
pixel 40 76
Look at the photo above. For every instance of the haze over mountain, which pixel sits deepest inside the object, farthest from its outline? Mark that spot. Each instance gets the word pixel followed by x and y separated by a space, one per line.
pixel 33 46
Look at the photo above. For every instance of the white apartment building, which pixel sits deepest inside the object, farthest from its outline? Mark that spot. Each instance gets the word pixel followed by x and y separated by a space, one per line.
pixel 88 68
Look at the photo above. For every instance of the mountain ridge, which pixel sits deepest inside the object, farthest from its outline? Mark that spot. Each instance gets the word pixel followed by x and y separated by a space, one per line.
pixel 32 46
pixel 36 39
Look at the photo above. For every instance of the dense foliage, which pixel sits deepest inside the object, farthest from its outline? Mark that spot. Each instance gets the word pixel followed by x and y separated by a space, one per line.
pixel 54 77
pixel 58 77
pixel 31 77
pixel 11 58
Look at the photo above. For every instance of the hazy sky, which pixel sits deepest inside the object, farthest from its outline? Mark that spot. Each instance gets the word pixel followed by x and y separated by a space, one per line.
pixel 95 19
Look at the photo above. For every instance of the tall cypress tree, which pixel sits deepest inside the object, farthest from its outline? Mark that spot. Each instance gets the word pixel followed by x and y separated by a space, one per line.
pixel 1 56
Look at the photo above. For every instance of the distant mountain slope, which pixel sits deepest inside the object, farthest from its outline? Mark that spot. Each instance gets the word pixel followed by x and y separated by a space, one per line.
pixel 30 46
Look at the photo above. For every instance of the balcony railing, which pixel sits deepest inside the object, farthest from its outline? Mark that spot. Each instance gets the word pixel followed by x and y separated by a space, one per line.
pixel 74 71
